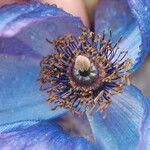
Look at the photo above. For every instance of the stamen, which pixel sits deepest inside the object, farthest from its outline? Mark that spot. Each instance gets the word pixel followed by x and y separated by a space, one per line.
pixel 83 73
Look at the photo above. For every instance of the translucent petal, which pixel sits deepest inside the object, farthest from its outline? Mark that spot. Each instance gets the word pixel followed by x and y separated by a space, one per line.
pixel 117 15
pixel 32 135
pixel 119 129
pixel 21 50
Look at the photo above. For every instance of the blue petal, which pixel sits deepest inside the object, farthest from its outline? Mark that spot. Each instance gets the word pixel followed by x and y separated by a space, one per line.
pixel 9 13
pixel 120 129
pixel 117 15
pixel 22 46
pixel 23 29
pixel 141 10
pixel 144 143
pixel 44 135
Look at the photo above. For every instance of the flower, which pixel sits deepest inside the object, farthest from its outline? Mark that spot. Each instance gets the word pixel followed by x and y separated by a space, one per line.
pixel 82 75
pixel 26 121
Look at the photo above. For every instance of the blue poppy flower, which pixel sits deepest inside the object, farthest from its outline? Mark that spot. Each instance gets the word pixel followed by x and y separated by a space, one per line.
pixel 26 119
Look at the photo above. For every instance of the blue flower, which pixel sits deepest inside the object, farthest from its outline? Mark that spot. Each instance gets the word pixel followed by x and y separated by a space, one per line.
pixel 26 119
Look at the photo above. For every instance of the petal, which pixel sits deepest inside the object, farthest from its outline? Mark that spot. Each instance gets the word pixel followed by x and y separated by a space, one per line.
pixel 32 135
pixel 144 143
pixel 120 129
pixel 23 29
pixel 117 16
pixel 12 12
pixel 141 11
pixel 20 97
pixel 21 50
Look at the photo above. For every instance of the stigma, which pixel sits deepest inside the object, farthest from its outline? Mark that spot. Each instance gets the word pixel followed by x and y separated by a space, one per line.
pixel 82 63
pixel 82 74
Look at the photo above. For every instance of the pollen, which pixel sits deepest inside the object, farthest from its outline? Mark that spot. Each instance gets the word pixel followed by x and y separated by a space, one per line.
pixel 82 74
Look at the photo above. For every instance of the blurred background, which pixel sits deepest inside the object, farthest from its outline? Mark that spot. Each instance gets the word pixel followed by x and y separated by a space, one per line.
pixel 140 78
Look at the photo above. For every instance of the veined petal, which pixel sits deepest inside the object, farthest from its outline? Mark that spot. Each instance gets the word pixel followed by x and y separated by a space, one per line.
pixel 32 135
pixel 21 50
pixel 144 143
pixel 118 16
pixel 120 129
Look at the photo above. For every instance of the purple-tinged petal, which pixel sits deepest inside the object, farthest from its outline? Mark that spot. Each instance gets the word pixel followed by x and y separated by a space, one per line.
pixel 32 24
pixel 144 143
pixel 21 50
pixel 45 135
pixel 120 128
pixel 35 10
pixel 29 38
pixel 117 15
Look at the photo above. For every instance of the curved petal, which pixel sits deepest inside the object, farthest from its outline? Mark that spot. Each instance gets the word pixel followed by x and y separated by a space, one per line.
pixel 117 16
pixel 21 50
pixel 44 135
pixel 120 129
pixel 9 13
pixel 141 10
pixel 30 24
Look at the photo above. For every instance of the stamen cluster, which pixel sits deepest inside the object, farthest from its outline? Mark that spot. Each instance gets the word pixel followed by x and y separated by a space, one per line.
pixel 90 89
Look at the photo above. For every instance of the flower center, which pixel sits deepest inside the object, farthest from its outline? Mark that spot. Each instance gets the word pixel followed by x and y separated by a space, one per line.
pixel 82 74
pixel 84 71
